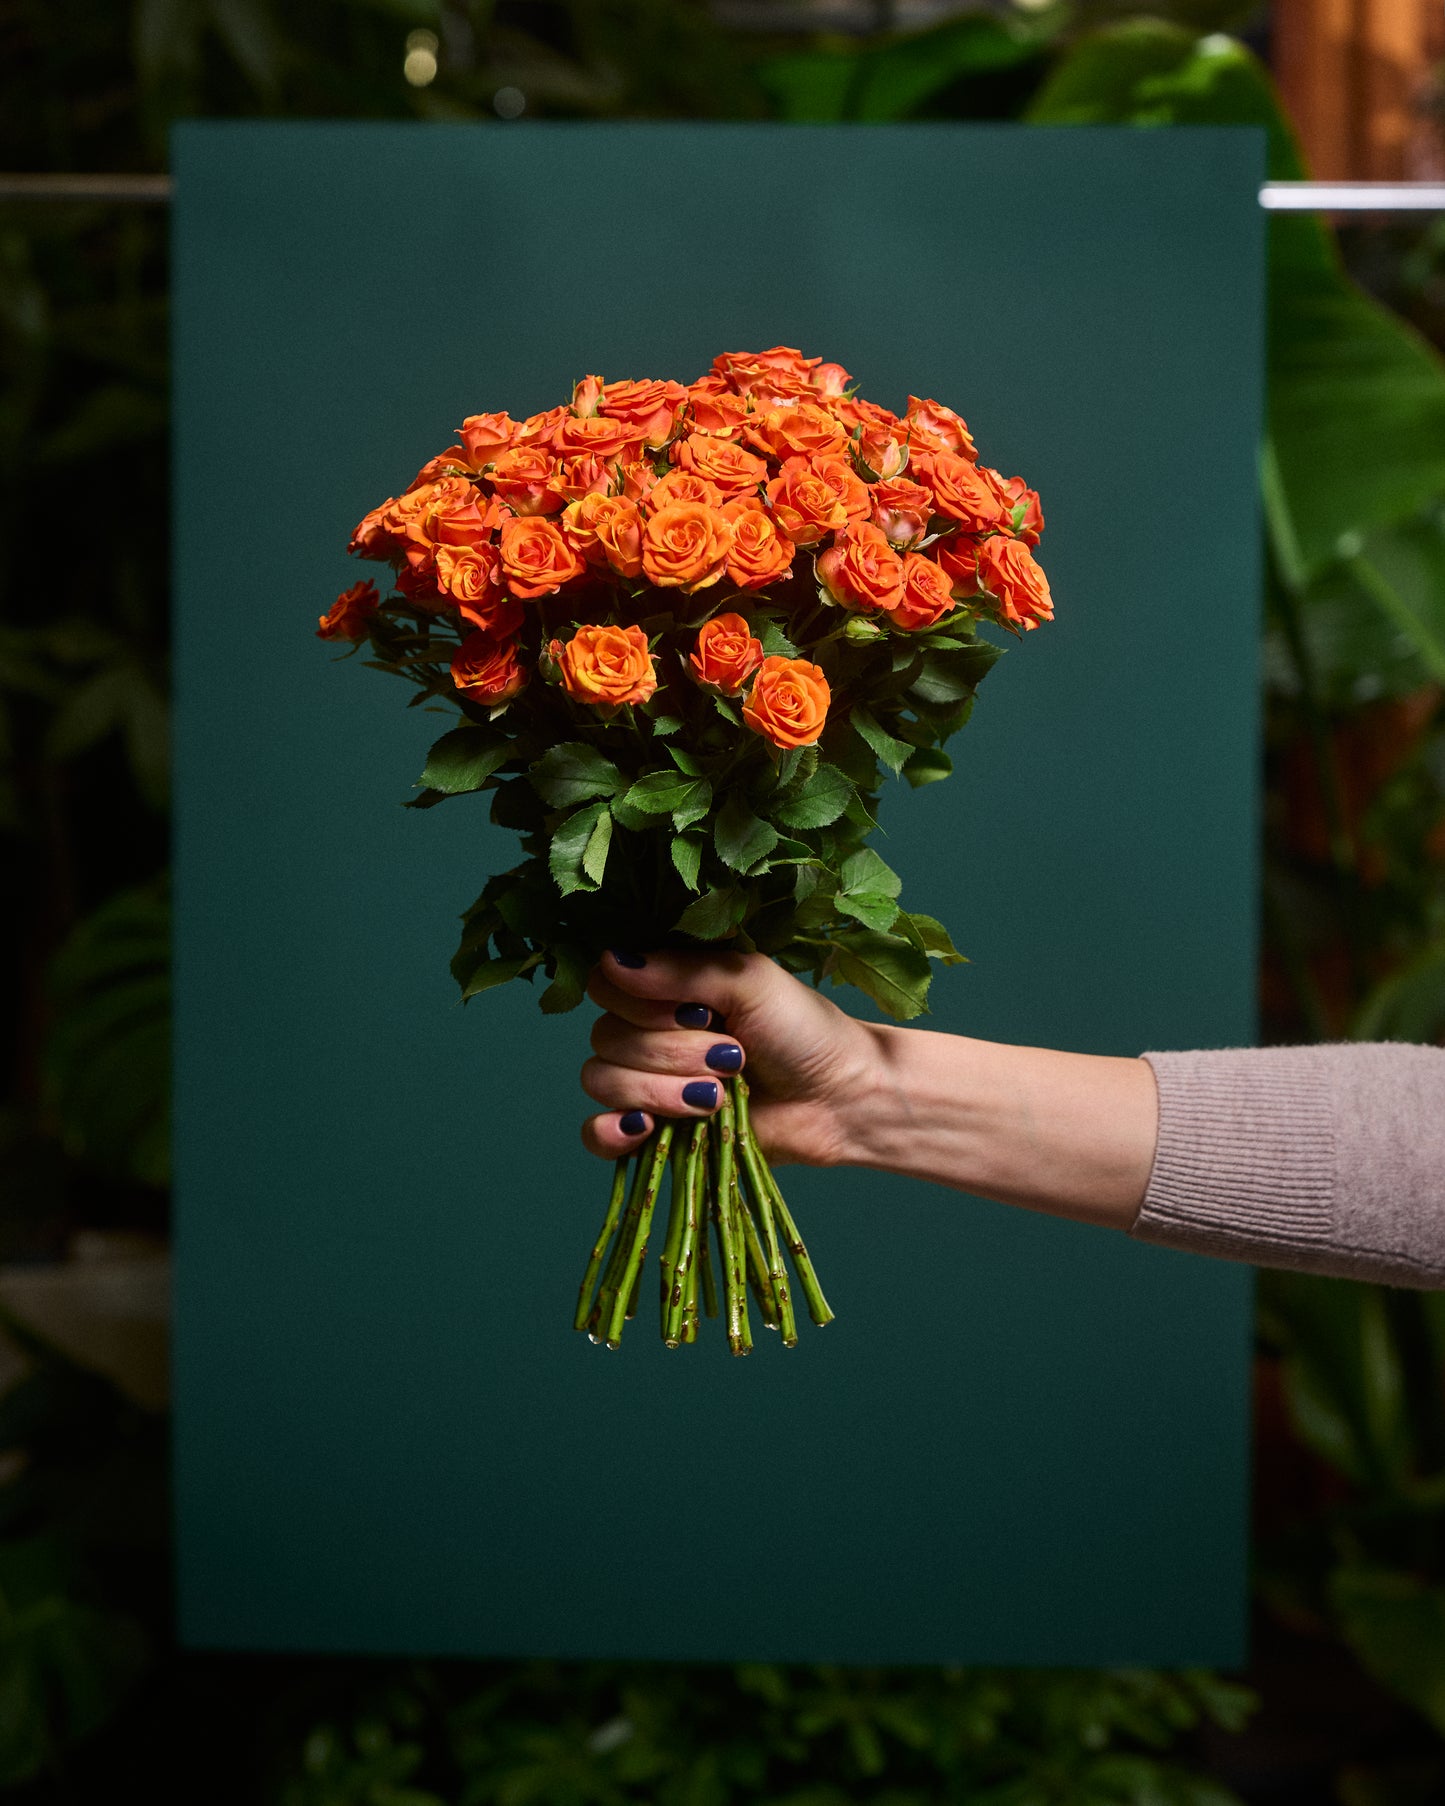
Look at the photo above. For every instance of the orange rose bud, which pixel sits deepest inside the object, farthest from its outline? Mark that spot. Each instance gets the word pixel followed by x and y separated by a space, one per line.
pixel 537 429
pixel 348 615
pixel 536 558
pixel 726 654
pixel 927 595
pixel 527 479
pixel 802 430
pixel 591 475
pixel 638 479
pixel 830 380
pixel 685 545
pixel 788 703
pixel 959 491
pixel 586 396
pixel 483 436
pixel 811 497
pixel 902 508
pixel 606 666
pixel 606 530
pixel 759 553
pixel 881 452
pixel 717 412
pixel 449 515
pixel 860 570
pixel 651 408
pixel 728 467
pixel 453 462
pixel 487 670
pixel 1010 575
pixel 937 428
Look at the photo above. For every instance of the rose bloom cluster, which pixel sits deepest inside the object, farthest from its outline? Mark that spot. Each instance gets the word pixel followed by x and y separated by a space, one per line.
pixel 547 540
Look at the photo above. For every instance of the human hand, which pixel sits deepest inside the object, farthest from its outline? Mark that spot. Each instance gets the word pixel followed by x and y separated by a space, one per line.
pixel 809 1064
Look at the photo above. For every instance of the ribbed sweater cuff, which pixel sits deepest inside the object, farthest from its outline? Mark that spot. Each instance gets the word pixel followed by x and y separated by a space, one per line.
pixel 1245 1162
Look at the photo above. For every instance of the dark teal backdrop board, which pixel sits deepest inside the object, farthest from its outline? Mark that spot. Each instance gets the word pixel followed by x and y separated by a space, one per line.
pixel 1022 1441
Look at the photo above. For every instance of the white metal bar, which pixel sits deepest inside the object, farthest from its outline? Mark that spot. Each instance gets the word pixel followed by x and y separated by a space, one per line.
pixel 1353 197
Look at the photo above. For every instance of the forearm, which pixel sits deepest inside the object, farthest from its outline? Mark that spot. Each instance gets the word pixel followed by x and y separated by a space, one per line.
pixel 1070 1134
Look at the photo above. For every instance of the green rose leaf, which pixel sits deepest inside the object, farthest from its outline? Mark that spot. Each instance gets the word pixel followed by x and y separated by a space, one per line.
pixel 775 642
pixel 685 761
pixel 663 725
pixel 870 907
pixel 570 844
pixel 574 773
pixel 569 986
pixel 498 972
pixel 886 968
pixel 663 792
pixel 930 937
pixel 687 858
pixel 951 676
pixel 892 752
pixel 821 800
pixel 714 914
pixel 464 759
pixel 594 857
pixel 740 837
pixel 927 766
pixel 864 871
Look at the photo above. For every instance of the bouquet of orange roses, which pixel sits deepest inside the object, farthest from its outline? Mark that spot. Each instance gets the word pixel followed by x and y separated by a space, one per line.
pixel 687 629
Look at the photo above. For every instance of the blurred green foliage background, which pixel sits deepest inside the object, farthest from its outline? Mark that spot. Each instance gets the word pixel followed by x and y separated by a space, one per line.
pixel 94 1700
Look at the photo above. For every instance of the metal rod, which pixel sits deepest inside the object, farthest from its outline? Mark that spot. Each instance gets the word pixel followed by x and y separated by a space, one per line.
pixel 1353 197
pixel 1276 197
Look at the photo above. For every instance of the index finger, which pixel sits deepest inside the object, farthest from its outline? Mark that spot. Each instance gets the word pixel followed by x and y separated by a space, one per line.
pixel 650 1012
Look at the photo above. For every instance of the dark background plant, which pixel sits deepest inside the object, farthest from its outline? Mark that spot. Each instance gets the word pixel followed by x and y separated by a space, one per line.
pixel 94 1699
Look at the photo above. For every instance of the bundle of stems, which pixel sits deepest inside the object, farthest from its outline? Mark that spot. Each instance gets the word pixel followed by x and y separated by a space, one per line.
pixel 722 1186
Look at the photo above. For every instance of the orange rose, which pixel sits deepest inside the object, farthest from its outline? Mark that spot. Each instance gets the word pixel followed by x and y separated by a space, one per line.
pixel 536 559
pixel 606 666
pixel 814 496
pixel 902 508
pixel 716 411
pixel 802 430
pixel 788 703
pixel 472 580
pixel 420 589
pixel 577 477
pixel 453 462
pixel 576 436
pixel 527 479
pixel 958 558
pixel 606 530
pixel 348 615
pixel 586 395
pixel 726 654
pixel 830 380
pixel 638 479
pixel 651 408
pixel 759 554
pixel 927 595
pixel 959 491
pixel 685 545
pixel 487 670
pixel 371 538
pixel 881 452
pixel 728 467
pixel 448 516
pixel 537 429
pixel 937 428
pixel 484 435
pixel 782 372
pixel 860 570
pixel 1025 510
pixel 1010 575
pixel 683 486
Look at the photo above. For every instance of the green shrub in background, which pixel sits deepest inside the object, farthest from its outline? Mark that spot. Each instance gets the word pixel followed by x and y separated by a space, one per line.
pixel 1353 487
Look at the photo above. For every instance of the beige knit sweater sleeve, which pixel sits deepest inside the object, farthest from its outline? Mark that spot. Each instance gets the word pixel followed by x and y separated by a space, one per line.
pixel 1327 1159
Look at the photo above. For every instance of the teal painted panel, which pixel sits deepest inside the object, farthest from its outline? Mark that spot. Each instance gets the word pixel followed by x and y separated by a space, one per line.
pixel 1022 1441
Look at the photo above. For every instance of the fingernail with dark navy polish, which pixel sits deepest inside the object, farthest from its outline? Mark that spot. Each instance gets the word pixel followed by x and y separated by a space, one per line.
pixel 633 961
pixel 632 1122
pixel 692 1015
pixel 700 1094
pixel 727 1056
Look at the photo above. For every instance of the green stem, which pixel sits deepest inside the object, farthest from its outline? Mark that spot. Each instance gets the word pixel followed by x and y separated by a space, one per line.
pixel 609 1225
pixel 764 1187
pixel 673 1324
pixel 745 1325
pixel 759 1277
pixel 667 1262
pixel 734 1293
pixel 818 1308
pixel 638 1252
pixel 622 1246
